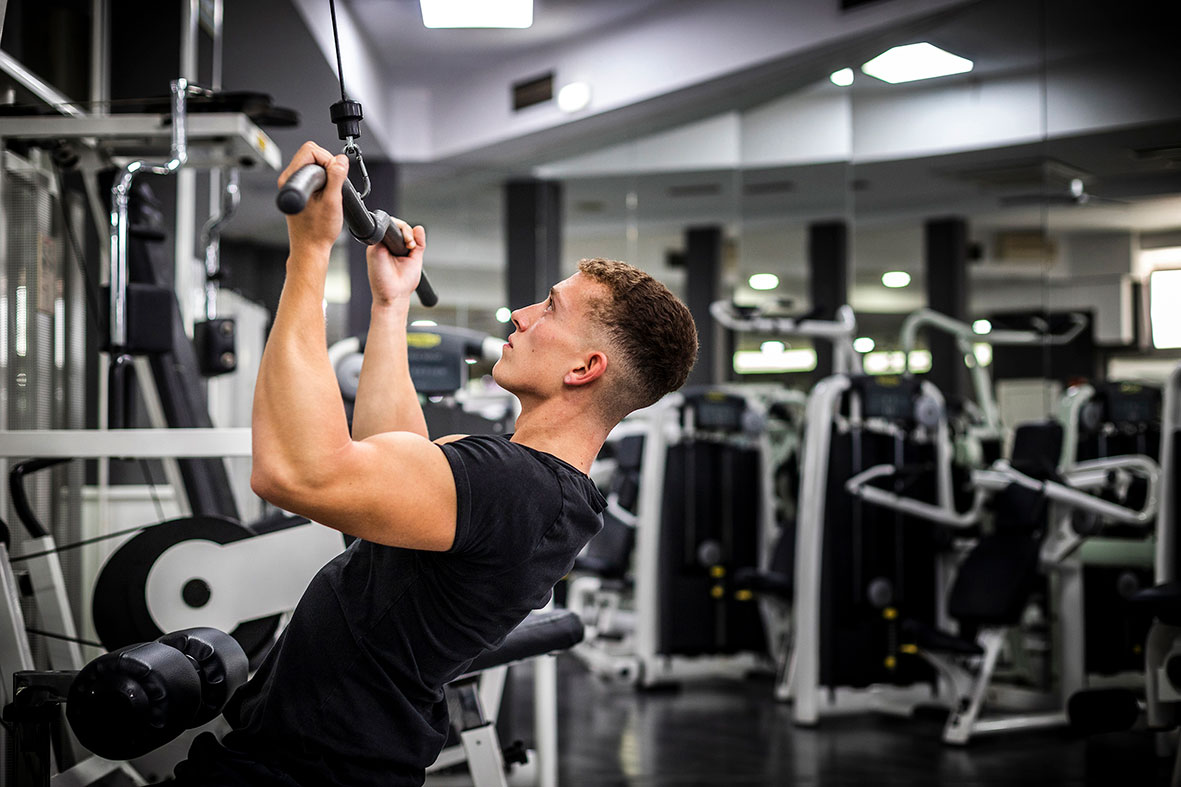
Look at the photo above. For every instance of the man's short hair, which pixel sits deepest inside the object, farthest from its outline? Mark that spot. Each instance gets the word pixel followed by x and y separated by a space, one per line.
pixel 651 331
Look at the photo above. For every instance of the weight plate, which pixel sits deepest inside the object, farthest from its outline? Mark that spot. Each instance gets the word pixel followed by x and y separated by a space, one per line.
pixel 120 606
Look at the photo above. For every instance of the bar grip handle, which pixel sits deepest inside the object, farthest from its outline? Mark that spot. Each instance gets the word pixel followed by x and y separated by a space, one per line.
pixel 368 227
pixel 299 188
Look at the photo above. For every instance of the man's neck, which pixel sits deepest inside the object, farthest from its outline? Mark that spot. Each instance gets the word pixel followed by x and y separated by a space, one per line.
pixel 571 434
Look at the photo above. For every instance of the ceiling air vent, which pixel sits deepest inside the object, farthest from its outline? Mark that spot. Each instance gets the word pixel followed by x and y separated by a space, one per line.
pixel 530 92
pixel 1024 174
pixel 1023 246
pixel 695 190
pixel 768 188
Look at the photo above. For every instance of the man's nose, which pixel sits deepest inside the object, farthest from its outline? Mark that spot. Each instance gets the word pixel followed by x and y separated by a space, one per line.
pixel 519 317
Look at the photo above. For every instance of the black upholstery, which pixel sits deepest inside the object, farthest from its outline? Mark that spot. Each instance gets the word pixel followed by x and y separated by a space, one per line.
pixel 625 484
pixel 931 638
pixel 608 555
pixel 541 632
pixel 779 579
pixel 993 584
pixel 1037 447
pixel 1164 601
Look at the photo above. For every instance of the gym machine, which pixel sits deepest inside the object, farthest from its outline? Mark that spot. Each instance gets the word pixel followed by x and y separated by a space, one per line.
pixel 1115 560
pixel 1112 709
pixel 1033 502
pixel 440 357
pixel 692 491
pixel 859 571
pixel 985 434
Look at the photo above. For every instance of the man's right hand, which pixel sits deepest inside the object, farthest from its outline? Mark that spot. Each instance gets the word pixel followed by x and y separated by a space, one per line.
pixel 318 225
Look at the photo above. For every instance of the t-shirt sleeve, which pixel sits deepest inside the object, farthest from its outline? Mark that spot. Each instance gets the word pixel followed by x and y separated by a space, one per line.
pixel 505 501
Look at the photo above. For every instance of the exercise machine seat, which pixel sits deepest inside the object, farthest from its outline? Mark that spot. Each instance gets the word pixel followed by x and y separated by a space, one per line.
pixel 994 582
pixel 608 555
pixel 1164 601
pixel 779 579
pixel 930 638
pixel 540 633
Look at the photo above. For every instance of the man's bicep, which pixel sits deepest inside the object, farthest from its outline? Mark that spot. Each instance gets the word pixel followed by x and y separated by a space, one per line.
pixel 394 488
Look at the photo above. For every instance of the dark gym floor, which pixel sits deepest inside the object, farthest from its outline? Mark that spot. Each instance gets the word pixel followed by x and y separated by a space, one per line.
pixel 733 733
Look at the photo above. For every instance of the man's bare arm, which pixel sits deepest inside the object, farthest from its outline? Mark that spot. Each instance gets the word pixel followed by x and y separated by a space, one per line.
pixel 393 489
pixel 386 399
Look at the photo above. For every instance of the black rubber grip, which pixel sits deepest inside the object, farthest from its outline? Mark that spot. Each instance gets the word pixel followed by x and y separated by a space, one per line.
pixel 299 188
pixel 363 224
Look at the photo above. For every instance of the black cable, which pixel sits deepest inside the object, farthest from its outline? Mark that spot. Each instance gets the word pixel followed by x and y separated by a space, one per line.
pixel 64 638
pixel 83 542
pixel 336 40
pixel 147 474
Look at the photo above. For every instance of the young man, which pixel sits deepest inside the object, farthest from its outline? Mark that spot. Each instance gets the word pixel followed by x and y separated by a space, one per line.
pixel 459 538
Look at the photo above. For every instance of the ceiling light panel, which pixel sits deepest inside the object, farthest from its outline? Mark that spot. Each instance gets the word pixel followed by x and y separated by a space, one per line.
pixel 477 13
pixel 915 61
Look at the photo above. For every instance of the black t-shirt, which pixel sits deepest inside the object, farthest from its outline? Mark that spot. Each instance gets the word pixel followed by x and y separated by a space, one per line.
pixel 352 692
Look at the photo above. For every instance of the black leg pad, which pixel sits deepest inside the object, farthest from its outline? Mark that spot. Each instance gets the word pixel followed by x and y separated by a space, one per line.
pixel 128 702
pixel 221 664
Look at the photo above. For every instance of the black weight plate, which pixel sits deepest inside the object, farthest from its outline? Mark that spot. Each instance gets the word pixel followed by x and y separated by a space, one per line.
pixel 120 606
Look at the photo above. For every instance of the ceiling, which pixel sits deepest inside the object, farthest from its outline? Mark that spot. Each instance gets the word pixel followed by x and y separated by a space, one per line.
pixel 1131 177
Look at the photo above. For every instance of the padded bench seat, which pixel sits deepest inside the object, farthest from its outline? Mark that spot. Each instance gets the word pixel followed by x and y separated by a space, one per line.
pixel 542 632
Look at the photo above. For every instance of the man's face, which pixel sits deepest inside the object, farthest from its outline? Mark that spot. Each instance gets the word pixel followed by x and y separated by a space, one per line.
pixel 551 338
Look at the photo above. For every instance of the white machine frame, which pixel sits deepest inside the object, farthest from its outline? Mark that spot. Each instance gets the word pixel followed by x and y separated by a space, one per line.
pixel 971 683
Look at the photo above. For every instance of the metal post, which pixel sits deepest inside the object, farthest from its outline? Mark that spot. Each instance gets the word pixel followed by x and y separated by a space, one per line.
pixel 186 182
pixel 805 686
pixel 100 61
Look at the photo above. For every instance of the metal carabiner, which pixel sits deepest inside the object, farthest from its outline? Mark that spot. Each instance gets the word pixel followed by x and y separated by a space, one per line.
pixel 353 150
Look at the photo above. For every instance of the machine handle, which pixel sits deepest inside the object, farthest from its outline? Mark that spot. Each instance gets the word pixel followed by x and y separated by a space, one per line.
pixel 20 498
pixel 294 194
pixel 368 227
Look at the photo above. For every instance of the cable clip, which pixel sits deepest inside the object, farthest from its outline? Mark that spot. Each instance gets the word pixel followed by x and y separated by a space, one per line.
pixel 352 150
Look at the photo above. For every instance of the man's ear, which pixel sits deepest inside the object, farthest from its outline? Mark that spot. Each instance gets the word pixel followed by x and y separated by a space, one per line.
pixel 592 368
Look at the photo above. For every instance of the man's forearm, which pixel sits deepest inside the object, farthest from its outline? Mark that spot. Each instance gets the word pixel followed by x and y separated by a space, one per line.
pixel 386 399
pixel 298 416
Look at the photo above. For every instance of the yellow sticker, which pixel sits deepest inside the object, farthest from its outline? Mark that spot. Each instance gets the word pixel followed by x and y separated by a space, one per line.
pixel 889 613
pixel 717 572
pixel 423 341
pixel 891 662
pixel 744 595
pixel 717 591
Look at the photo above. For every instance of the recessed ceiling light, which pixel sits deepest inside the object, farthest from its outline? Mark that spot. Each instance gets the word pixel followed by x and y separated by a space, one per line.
pixel 763 281
pixel 915 61
pixel 895 279
pixel 503 314
pixel 772 347
pixel 863 344
pixel 477 13
pixel 574 96
pixel 842 78
pixel 423 324
pixel 981 326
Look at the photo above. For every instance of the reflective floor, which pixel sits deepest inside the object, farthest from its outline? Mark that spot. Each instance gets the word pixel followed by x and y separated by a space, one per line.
pixel 732 733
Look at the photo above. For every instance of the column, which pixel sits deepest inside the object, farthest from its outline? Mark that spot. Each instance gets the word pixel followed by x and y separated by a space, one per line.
pixel 533 234
pixel 945 243
pixel 703 262
pixel 828 281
